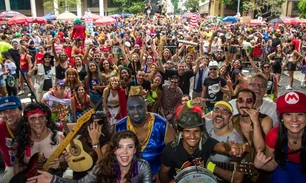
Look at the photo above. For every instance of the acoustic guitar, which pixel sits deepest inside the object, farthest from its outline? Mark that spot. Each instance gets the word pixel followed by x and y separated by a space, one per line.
pixel 35 162
pixel 80 160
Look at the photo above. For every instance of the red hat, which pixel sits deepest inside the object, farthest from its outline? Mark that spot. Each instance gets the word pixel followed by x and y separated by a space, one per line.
pixel 291 102
pixel 193 109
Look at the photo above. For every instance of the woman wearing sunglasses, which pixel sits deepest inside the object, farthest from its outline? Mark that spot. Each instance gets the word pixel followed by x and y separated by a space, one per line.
pixel 272 85
pixel 285 152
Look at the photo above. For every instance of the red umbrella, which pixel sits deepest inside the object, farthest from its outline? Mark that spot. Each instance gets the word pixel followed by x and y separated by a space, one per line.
pixel 40 20
pixel 19 19
pixel 105 21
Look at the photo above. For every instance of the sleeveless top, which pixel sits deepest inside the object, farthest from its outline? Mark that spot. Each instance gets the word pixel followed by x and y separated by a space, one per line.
pixel 112 101
pixel 60 72
pixel 278 59
pixel 24 64
pixel 249 157
pixel 82 72
pixel 291 57
pixel 79 106
pixel 153 148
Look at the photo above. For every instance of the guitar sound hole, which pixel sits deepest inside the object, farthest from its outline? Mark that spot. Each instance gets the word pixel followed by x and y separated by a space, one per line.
pixel 75 150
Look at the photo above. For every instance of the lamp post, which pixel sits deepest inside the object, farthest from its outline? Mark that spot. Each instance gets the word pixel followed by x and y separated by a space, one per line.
pixel 238 9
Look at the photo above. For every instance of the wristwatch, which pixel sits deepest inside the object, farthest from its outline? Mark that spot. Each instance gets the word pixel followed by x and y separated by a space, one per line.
pixel 95 146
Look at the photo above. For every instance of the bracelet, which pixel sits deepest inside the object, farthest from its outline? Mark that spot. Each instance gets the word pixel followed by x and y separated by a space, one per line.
pixel 53 179
pixel 211 167
pixel 189 105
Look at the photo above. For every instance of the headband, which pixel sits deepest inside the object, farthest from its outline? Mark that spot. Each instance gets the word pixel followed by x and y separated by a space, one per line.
pixel 36 111
pixel 224 103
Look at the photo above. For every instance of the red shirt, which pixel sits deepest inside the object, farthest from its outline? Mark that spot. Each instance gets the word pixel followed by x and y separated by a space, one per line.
pixel 6 149
pixel 296 43
pixel 39 57
pixel 271 139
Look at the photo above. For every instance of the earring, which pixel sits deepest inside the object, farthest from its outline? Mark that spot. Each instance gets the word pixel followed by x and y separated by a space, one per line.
pixel 200 144
pixel 134 158
pixel 115 158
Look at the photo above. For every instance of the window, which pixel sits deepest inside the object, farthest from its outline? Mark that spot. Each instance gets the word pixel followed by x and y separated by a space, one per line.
pixel 2 5
pixel 295 6
pixel 93 3
pixel 111 4
pixel 20 4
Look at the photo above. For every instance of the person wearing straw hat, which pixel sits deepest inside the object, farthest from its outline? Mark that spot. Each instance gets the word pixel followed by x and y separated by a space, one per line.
pixel 10 112
pixel 285 152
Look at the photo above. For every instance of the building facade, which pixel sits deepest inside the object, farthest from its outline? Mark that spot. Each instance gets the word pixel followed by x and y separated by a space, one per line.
pixel 216 8
pixel 35 7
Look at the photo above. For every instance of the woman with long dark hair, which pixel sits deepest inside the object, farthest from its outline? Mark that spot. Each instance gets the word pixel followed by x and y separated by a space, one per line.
pixel 285 152
pixel 276 60
pixel 122 164
pixel 94 82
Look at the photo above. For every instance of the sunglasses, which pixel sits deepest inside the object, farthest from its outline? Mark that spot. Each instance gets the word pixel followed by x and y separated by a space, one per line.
pixel 266 67
pixel 261 86
pixel 224 112
pixel 173 82
pixel 245 100
pixel 212 69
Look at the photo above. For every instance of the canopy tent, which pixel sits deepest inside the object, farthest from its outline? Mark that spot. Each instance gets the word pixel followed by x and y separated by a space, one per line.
pixel 91 15
pixel 189 15
pixel 19 19
pixel 66 16
pixel 40 20
pixel 49 16
pixel 126 15
pixel 229 19
pixel 116 16
pixel 105 21
pixel 9 14
pixel 274 20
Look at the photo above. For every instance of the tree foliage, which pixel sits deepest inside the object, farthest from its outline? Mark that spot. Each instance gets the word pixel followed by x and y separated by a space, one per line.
pixel 62 4
pixel 192 5
pixel 274 7
pixel 175 5
pixel 130 6
pixel 302 8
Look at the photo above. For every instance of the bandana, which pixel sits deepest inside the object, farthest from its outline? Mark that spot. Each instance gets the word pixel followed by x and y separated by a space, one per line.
pixel 36 111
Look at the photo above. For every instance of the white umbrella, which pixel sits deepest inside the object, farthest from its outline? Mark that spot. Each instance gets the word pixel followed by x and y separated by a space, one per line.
pixel 66 16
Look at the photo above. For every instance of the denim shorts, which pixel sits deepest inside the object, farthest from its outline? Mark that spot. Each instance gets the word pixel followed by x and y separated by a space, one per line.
pixel 2 81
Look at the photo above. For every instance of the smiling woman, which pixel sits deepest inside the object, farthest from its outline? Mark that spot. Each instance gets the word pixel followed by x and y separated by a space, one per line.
pixel 121 164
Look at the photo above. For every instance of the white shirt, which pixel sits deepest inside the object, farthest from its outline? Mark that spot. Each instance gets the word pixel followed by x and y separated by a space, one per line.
pixel 268 107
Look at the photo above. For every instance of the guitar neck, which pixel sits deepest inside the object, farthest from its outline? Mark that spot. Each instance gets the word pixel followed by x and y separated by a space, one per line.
pixel 67 131
pixel 224 165
pixel 62 146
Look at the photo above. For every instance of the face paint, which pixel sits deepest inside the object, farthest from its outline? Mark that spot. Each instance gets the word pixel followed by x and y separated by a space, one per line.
pixel 136 109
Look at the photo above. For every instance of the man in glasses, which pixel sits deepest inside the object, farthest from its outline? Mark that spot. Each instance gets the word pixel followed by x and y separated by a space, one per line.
pixel 171 99
pixel 10 113
pixel 251 124
pixel 219 129
pixel 213 87
pixel 258 85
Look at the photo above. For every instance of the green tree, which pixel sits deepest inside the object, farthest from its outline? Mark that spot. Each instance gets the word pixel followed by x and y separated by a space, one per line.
pixel 272 7
pixel 62 4
pixel 130 6
pixel 175 5
pixel 302 8
pixel 192 5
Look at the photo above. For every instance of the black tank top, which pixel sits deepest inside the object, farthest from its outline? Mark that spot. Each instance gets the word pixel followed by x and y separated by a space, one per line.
pixel 82 73
pixel 60 72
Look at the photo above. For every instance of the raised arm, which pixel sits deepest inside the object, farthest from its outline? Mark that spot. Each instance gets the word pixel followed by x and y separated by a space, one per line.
pixel 256 69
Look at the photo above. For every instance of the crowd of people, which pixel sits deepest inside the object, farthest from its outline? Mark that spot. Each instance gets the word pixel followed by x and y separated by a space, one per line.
pixel 168 96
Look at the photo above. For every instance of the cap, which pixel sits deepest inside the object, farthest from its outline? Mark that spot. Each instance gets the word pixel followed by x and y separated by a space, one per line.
pixel 61 83
pixel 193 109
pixel 10 102
pixel 213 64
pixel 191 120
pixel 291 102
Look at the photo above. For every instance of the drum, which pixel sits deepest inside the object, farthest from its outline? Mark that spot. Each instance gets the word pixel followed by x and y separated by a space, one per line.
pixel 195 174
